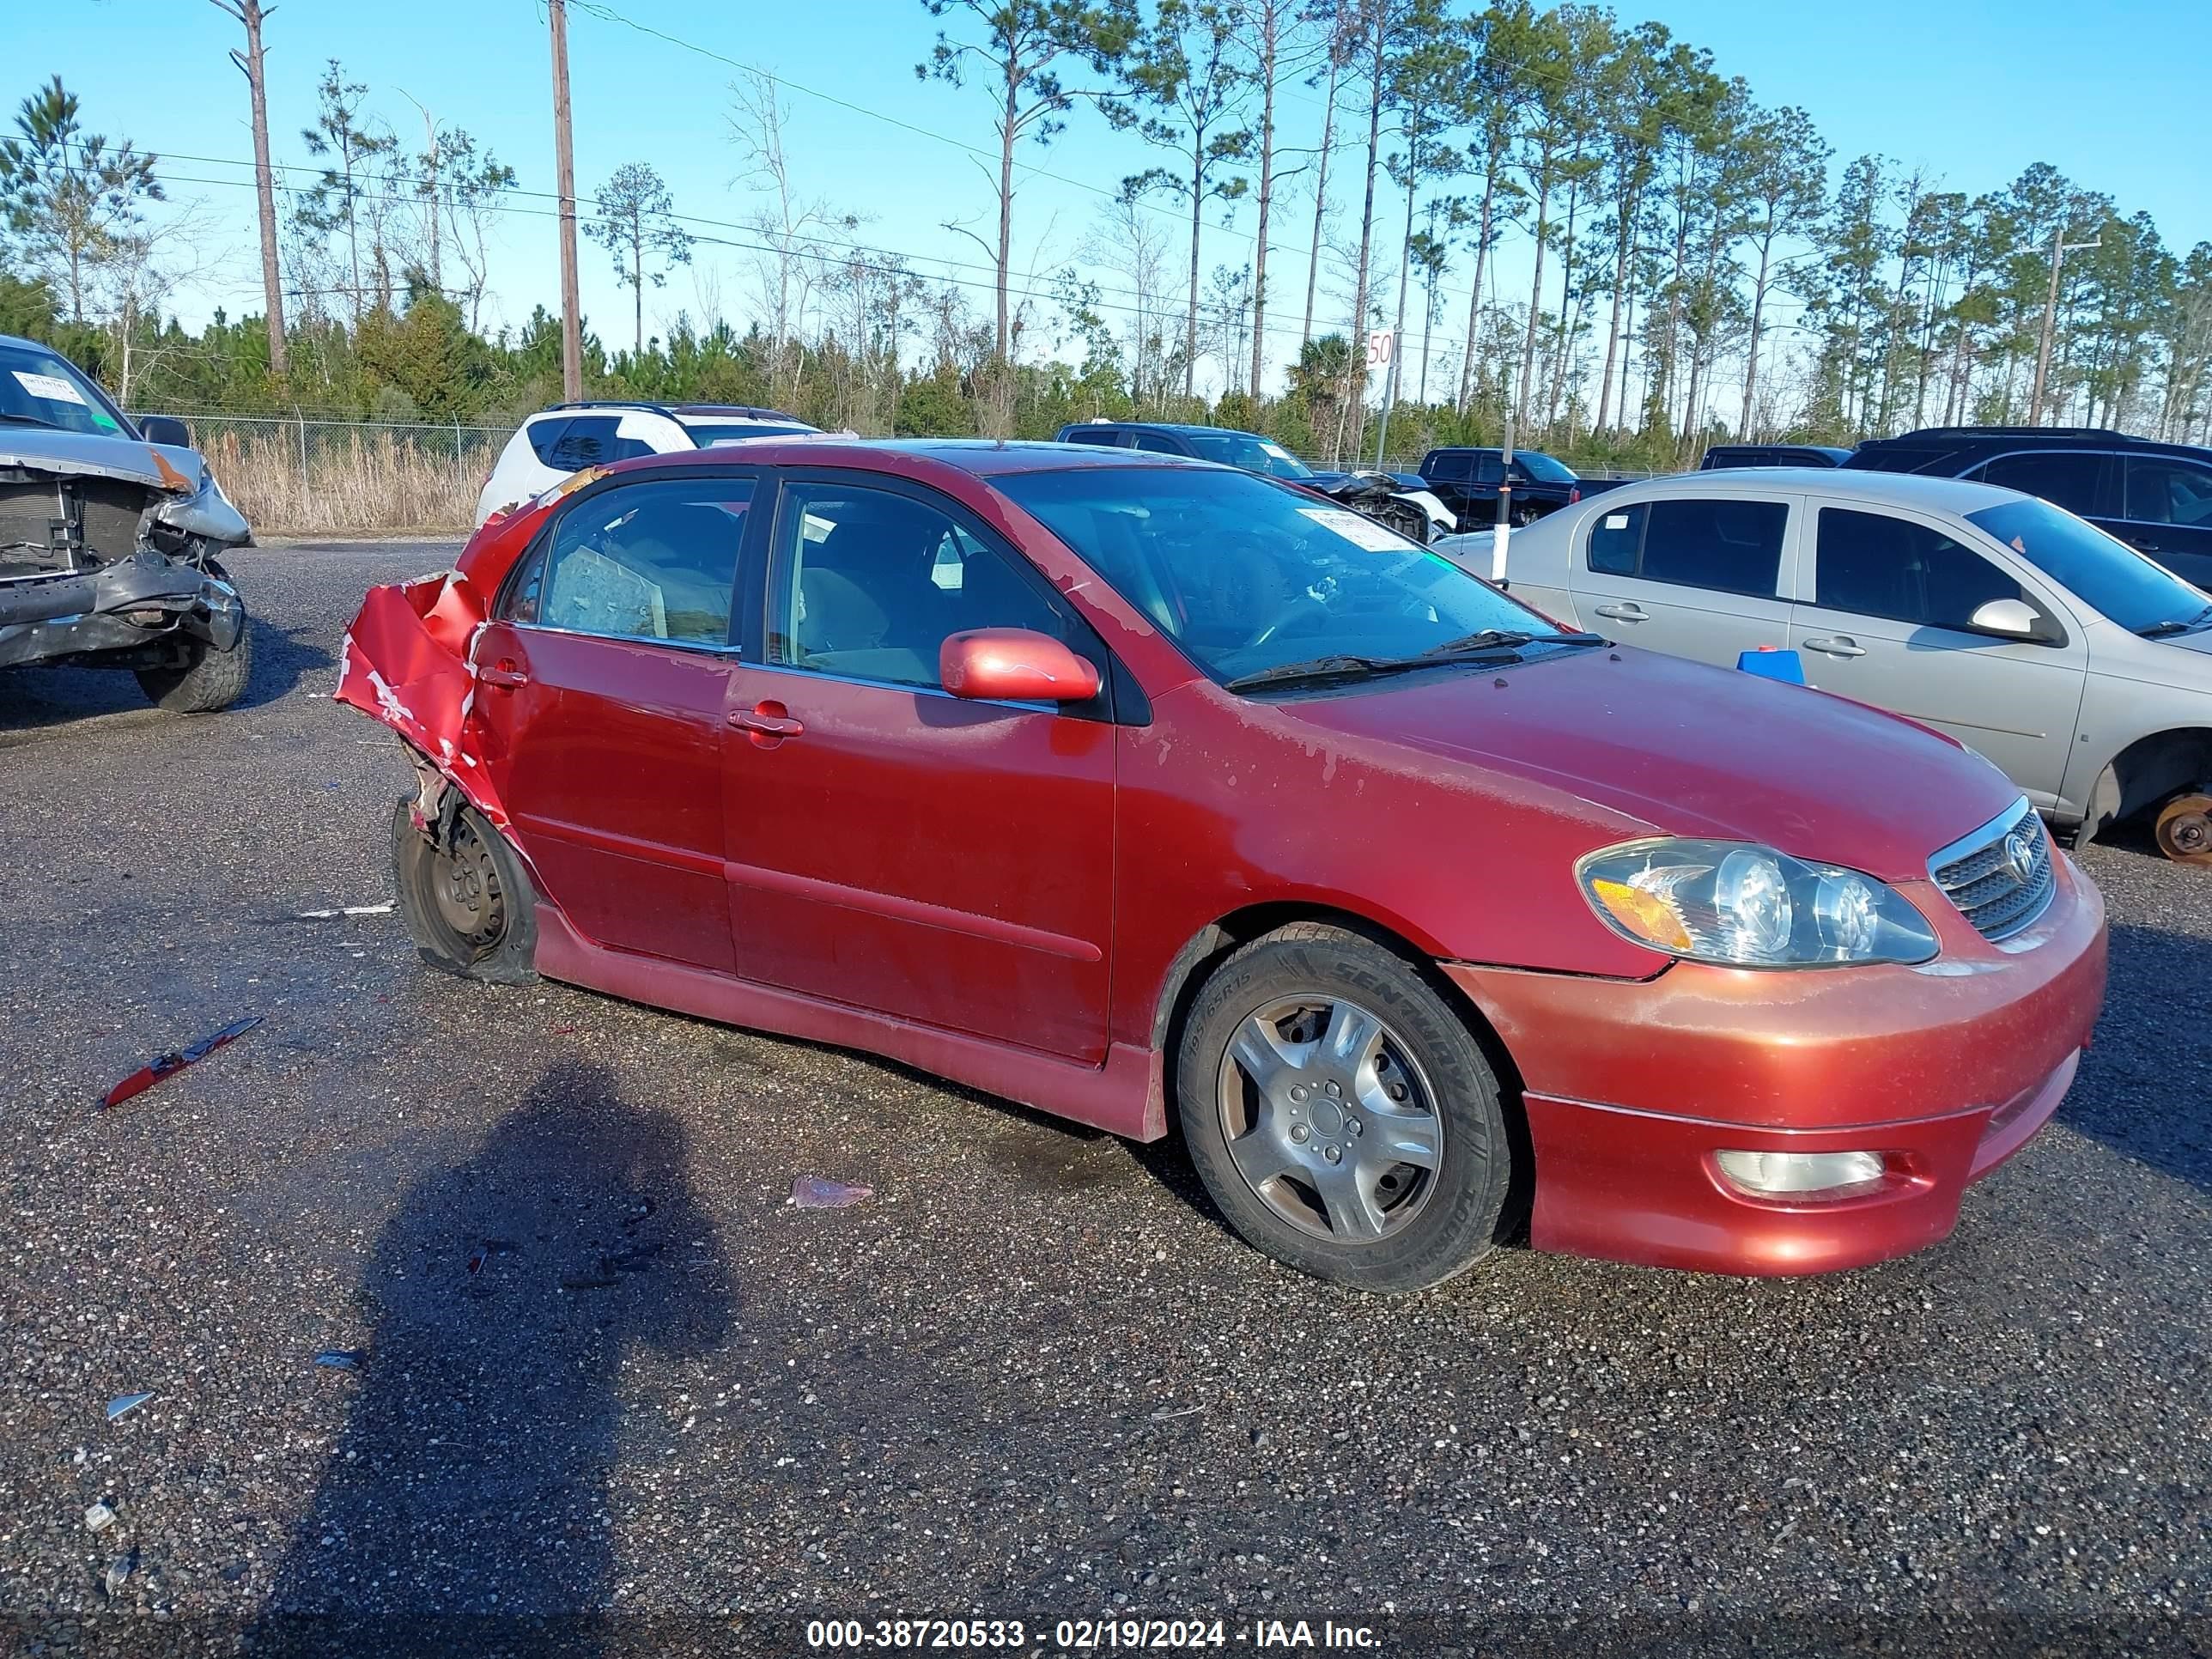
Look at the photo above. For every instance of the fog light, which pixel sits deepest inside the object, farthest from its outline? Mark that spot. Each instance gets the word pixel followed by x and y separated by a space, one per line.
pixel 1799 1173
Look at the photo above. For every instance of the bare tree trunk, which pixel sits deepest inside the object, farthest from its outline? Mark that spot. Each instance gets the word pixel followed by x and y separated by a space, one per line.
pixel 1758 323
pixel 1474 296
pixel 1535 300
pixel 1270 29
pixel 1190 317
pixel 1007 128
pixel 1356 419
pixel 1613 323
pixel 1321 192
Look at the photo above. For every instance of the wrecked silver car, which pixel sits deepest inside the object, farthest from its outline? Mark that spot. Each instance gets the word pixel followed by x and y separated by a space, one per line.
pixel 110 531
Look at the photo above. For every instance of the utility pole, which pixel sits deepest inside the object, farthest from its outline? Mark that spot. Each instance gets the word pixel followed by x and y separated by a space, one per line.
pixel 564 164
pixel 2060 247
pixel 1502 537
pixel 251 13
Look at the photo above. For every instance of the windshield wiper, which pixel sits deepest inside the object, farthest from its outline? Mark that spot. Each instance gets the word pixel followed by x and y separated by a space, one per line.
pixel 2162 629
pixel 1320 670
pixel 1493 639
pixel 29 420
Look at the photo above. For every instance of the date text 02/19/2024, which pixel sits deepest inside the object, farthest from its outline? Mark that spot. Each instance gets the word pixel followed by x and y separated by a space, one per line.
pixel 1089 1635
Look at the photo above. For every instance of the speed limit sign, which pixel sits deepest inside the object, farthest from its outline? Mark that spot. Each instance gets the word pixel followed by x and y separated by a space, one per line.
pixel 1381 346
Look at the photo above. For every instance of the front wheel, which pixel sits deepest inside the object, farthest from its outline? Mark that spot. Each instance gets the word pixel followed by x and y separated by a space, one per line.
pixel 1341 1113
pixel 208 679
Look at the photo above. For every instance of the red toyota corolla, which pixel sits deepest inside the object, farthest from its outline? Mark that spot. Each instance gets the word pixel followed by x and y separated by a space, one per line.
pixel 1157 794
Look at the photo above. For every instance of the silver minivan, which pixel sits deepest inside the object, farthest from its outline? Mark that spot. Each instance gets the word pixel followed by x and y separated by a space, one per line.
pixel 2077 665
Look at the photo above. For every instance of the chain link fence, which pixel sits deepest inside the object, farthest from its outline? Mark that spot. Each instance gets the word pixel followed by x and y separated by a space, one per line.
pixel 293 475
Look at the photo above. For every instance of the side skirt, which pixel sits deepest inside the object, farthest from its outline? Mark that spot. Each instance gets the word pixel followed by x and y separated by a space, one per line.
pixel 1126 1096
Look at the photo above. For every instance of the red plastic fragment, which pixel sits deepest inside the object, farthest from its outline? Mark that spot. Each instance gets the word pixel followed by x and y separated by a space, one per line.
pixel 168 1065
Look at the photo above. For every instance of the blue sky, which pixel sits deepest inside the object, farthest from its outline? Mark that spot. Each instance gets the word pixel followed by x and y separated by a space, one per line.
pixel 1972 91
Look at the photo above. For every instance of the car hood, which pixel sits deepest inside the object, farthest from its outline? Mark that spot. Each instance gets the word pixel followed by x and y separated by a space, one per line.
pixel 43 449
pixel 1683 749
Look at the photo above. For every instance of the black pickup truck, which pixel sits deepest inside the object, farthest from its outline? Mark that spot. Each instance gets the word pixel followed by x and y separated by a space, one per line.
pixel 1468 481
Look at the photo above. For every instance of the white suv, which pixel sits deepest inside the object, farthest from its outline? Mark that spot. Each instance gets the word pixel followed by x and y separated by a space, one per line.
pixel 569 437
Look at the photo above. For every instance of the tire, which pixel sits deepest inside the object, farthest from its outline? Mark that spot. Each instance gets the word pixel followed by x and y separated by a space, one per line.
pixel 1421 1086
pixel 469 903
pixel 211 679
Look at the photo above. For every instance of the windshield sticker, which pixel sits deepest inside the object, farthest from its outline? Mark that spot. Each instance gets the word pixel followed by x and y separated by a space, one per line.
pixel 1361 532
pixel 1277 451
pixel 106 423
pixel 1616 522
pixel 52 387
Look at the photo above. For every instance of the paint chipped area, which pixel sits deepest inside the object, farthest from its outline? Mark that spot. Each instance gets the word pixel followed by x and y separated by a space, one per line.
pixel 409 659
pixel 405 662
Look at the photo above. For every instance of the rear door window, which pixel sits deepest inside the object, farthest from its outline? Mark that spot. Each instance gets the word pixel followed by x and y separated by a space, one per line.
pixel 1489 470
pixel 2165 490
pixel 1095 435
pixel 2074 479
pixel 1722 545
pixel 1158 443
pixel 1872 564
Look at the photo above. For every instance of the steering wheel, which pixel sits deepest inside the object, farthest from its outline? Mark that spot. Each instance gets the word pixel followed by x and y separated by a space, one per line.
pixel 1309 604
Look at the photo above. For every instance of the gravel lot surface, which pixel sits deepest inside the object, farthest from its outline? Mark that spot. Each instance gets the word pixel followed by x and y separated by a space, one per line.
pixel 604 1369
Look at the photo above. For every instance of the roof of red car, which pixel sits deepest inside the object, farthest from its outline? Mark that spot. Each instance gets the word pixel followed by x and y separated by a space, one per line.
pixel 983 456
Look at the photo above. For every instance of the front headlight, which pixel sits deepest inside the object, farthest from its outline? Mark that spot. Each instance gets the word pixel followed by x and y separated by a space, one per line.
pixel 1740 905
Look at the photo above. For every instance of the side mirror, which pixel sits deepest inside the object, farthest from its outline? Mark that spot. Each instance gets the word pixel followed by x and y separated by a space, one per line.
pixel 164 429
pixel 1014 665
pixel 2012 619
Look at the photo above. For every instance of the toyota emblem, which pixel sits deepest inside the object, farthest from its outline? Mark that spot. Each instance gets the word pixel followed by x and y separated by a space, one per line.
pixel 2020 853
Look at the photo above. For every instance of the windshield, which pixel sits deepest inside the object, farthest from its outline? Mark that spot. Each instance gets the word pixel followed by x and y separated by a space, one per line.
pixel 2108 575
pixel 1543 467
pixel 1247 575
pixel 1242 449
pixel 38 388
pixel 709 435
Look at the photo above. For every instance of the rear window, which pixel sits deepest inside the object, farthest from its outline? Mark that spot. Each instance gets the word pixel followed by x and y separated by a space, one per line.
pixel 1726 545
pixel 1451 465
pixel 587 441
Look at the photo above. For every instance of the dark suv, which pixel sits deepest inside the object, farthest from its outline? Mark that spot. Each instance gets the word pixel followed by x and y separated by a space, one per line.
pixel 1467 481
pixel 1732 455
pixel 2156 497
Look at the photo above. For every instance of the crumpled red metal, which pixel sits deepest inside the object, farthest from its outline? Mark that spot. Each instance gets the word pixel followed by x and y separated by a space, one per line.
pixel 409 660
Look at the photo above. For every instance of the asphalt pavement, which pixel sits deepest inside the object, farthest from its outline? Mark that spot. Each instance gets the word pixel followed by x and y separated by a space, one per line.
pixel 597 1387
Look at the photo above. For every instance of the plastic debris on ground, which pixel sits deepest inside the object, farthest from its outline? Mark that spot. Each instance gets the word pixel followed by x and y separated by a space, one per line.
pixel 119 1570
pixel 165 1066
pixel 99 1517
pixel 383 910
pixel 820 1193
pixel 341 1360
pixel 125 1402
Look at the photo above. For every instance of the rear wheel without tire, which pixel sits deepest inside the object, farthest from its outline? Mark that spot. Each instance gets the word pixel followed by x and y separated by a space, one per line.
pixel 467 899
pixel 1341 1113
pixel 2184 828
pixel 207 680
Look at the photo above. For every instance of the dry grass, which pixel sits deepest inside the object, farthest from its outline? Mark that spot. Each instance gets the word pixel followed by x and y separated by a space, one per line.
pixel 359 483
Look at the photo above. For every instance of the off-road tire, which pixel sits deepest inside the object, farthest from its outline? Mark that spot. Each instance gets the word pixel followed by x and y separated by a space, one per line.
pixel 508 955
pixel 1460 1222
pixel 211 679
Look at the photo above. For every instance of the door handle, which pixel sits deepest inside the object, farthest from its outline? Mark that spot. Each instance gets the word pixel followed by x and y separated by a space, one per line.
pixel 1626 610
pixel 767 723
pixel 1835 645
pixel 505 672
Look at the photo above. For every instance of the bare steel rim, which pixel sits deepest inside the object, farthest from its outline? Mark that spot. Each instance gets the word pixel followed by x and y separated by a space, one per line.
pixel 1329 1119
pixel 466 891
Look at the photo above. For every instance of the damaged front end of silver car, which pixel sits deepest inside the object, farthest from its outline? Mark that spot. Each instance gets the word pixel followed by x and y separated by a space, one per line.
pixel 109 554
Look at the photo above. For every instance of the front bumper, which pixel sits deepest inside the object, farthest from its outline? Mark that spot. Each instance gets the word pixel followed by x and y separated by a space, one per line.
pixel 1945 1070
pixel 136 605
